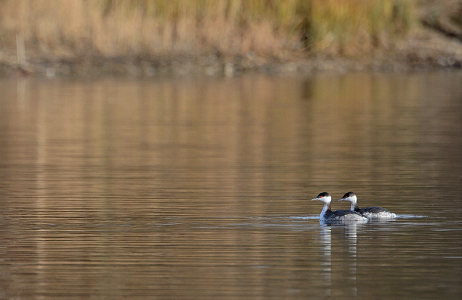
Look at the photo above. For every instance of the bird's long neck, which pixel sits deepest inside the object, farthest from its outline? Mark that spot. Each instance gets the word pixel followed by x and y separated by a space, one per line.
pixel 354 206
pixel 325 209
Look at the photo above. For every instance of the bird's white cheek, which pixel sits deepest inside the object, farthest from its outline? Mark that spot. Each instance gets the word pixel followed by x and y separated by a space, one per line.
pixel 326 200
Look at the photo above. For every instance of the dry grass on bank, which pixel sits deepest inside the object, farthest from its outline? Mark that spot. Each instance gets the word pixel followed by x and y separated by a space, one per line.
pixel 56 29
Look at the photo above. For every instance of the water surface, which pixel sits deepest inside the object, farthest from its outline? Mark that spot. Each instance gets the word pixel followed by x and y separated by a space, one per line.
pixel 199 188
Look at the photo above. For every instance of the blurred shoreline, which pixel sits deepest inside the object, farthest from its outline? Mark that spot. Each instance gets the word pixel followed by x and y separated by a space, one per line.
pixel 226 37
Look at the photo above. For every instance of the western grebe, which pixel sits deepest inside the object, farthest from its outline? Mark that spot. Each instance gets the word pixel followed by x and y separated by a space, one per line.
pixel 368 212
pixel 336 216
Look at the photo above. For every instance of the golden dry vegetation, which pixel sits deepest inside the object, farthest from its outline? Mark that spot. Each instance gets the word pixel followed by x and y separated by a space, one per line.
pixel 62 29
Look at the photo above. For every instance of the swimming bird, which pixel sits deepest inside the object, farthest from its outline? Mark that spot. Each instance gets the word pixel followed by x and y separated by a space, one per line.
pixel 373 212
pixel 337 216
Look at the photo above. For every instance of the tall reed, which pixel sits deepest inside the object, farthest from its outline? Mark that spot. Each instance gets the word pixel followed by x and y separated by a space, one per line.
pixel 145 28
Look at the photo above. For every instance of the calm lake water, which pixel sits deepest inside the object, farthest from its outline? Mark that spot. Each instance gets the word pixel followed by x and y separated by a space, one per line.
pixel 200 188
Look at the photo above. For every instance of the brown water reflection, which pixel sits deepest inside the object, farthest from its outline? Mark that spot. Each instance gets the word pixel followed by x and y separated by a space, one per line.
pixel 198 188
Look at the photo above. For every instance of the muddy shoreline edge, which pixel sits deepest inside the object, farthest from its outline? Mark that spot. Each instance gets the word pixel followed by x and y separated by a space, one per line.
pixel 425 52
pixel 205 66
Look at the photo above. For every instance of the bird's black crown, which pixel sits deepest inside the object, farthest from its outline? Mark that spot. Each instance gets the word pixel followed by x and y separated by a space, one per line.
pixel 349 194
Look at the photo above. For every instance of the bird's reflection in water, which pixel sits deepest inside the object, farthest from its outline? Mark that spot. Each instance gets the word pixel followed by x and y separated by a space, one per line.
pixel 326 240
pixel 352 240
pixel 349 233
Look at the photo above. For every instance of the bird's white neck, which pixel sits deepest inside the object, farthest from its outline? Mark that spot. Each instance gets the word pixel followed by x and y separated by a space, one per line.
pixel 353 201
pixel 324 210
